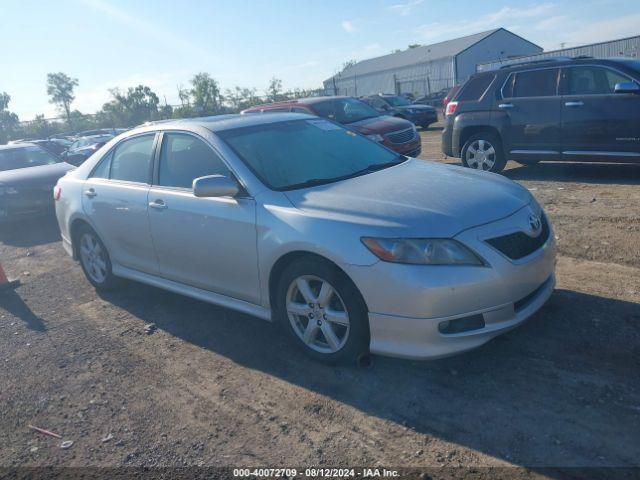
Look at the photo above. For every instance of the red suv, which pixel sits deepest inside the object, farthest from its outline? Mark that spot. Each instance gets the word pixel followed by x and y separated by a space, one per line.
pixel 395 133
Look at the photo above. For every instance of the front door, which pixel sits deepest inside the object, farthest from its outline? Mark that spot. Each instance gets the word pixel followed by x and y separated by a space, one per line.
pixel 598 123
pixel 209 243
pixel 530 109
pixel 114 198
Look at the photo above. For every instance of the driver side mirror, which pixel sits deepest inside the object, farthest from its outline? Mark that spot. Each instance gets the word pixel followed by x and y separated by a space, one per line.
pixel 626 87
pixel 215 186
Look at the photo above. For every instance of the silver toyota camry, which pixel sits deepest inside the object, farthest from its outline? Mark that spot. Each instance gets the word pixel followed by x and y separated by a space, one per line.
pixel 295 219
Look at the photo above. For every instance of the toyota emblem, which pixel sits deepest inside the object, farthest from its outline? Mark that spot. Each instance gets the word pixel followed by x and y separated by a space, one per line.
pixel 535 224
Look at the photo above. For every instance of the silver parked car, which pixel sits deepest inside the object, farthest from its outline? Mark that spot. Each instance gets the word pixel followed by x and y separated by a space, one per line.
pixel 289 217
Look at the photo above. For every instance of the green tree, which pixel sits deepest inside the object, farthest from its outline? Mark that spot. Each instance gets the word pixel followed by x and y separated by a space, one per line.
pixel 8 120
pixel 414 45
pixel 274 90
pixel 205 93
pixel 60 88
pixel 133 107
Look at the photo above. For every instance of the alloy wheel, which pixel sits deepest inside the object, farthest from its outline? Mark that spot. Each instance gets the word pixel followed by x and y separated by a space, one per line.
pixel 93 258
pixel 317 314
pixel 481 155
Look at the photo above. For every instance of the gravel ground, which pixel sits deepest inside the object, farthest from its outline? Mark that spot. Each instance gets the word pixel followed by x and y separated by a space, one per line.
pixel 209 386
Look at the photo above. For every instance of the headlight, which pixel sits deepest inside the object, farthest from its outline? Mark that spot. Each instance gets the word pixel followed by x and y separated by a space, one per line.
pixel 376 137
pixel 421 251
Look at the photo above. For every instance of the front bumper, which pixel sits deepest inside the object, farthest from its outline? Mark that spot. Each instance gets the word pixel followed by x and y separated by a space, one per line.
pixel 408 305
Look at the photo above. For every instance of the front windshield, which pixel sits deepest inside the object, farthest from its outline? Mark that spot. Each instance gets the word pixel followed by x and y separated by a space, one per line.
pixel 15 158
pixel 345 110
pixel 300 153
pixel 398 101
pixel 633 64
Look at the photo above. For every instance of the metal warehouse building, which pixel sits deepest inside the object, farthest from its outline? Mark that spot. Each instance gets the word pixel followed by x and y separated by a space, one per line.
pixel 429 68
pixel 625 47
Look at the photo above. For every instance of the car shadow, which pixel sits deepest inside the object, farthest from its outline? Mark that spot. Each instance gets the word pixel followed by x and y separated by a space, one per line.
pixel 602 173
pixel 552 392
pixel 30 232
pixel 13 303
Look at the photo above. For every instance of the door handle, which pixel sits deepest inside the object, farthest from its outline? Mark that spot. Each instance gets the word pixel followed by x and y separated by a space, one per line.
pixel 90 193
pixel 506 106
pixel 158 205
pixel 574 104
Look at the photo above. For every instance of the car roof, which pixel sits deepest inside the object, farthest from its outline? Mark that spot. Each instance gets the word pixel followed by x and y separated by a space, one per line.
pixel 558 62
pixel 224 122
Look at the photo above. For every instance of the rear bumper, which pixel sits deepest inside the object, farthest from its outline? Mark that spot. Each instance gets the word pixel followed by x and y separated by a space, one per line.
pixel 447 142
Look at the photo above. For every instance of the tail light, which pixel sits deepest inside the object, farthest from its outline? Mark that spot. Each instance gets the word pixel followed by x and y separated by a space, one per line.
pixel 57 191
pixel 451 108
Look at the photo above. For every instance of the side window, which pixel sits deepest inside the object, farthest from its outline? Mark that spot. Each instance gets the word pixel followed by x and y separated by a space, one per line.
pixel 102 169
pixel 592 80
pixel 132 159
pixel 534 83
pixel 184 158
pixel 299 110
pixel 475 88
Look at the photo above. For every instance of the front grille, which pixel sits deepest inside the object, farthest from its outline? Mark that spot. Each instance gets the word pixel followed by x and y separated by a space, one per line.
pixel 526 300
pixel 518 245
pixel 402 136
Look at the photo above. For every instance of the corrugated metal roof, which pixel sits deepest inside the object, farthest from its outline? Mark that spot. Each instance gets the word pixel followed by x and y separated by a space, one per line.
pixel 426 53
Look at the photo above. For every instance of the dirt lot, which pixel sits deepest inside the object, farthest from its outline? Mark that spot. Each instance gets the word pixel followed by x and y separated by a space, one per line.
pixel 214 387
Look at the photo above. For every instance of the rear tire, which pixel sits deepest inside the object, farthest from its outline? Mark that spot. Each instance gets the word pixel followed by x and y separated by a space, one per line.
pixel 94 259
pixel 483 151
pixel 322 311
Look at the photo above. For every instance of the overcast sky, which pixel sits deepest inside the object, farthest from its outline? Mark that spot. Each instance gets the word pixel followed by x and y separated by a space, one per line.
pixel 119 43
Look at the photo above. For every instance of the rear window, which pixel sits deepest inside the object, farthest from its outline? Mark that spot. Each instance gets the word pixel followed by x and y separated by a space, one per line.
pixel 25 157
pixel 533 83
pixel 475 88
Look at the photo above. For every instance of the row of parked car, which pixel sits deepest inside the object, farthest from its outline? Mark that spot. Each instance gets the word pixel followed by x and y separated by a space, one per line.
pixel 558 109
pixel 305 218
pixel 29 169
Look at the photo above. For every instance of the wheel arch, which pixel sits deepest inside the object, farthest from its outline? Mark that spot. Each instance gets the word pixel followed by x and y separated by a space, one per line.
pixel 288 258
pixel 470 130
pixel 76 224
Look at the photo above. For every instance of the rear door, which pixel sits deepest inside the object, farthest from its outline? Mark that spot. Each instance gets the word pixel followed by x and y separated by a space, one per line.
pixel 598 124
pixel 115 200
pixel 528 107
pixel 208 243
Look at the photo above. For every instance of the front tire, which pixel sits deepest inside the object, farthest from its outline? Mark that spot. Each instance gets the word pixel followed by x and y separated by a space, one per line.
pixel 483 151
pixel 323 312
pixel 94 259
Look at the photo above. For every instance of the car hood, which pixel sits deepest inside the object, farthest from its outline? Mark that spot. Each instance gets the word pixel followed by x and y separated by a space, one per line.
pixel 416 199
pixel 33 177
pixel 382 124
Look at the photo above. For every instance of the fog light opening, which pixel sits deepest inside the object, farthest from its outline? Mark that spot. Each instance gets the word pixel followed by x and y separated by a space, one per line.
pixel 460 325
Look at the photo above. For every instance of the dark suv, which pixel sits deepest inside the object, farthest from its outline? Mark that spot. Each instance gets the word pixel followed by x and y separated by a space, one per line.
pixel 557 109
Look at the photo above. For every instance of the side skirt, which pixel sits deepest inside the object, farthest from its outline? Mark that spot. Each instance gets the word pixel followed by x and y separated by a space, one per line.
pixel 193 292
